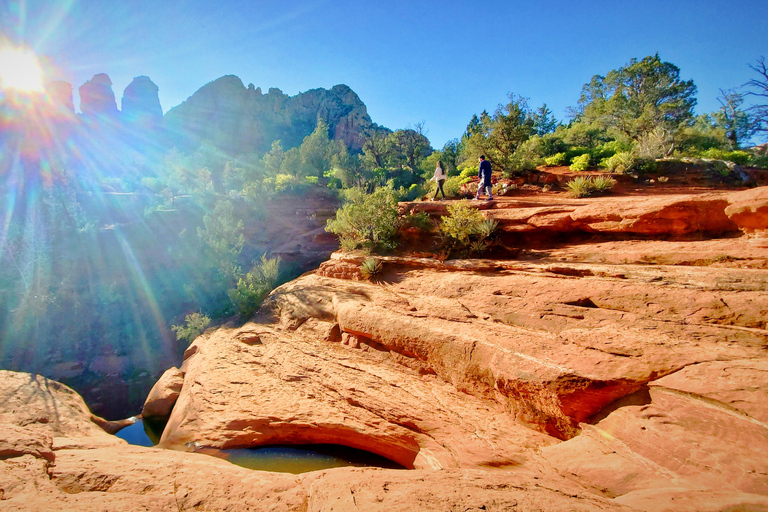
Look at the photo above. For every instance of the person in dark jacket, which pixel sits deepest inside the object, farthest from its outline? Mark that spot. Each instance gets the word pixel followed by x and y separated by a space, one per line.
pixel 485 179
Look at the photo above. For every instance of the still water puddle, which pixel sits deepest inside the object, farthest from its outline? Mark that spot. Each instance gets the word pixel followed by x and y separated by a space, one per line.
pixel 303 458
pixel 142 433
pixel 282 459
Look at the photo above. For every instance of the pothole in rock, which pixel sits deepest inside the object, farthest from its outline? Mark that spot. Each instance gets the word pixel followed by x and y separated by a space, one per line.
pixel 303 458
pixel 280 459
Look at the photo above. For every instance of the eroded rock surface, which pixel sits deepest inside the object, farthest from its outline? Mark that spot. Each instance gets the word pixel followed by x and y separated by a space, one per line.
pixel 579 381
pixel 652 374
pixel 48 463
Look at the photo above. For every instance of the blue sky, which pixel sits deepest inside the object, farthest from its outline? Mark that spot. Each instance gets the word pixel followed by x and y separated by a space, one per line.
pixel 438 62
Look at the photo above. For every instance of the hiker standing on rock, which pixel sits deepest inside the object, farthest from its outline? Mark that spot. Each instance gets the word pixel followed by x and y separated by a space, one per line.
pixel 485 179
pixel 439 177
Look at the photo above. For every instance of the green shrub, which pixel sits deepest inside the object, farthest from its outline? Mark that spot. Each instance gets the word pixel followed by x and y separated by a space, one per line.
pixel 371 268
pixel 523 159
pixel 616 146
pixel 723 171
pixel 461 222
pixel 487 227
pixel 573 153
pixel 412 193
pixel 579 187
pixel 555 160
pixel 452 186
pixel 254 286
pixel 466 228
pixel 580 163
pixel 761 162
pixel 737 157
pixel 587 185
pixel 467 174
pixel 626 161
pixel 621 162
pixel 421 221
pixel 368 221
pixel 645 165
pixel 194 325
pixel 479 246
pixel 601 153
pixel 285 183
pixel 602 184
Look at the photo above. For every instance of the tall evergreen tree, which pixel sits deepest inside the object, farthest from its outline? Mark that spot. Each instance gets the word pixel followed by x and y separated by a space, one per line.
pixel 640 98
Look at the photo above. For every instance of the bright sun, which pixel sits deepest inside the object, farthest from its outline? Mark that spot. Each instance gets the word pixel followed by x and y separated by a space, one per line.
pixel 21 70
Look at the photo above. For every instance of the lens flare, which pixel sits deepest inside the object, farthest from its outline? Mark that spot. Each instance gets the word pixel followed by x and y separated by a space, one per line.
pixel 20 69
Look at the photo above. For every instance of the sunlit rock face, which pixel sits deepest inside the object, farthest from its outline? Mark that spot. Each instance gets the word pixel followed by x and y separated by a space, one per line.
pixel 141 104
pixel 242 120
pixel 97 98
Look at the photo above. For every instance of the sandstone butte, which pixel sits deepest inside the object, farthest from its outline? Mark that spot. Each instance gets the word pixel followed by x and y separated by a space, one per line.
pixel 624 372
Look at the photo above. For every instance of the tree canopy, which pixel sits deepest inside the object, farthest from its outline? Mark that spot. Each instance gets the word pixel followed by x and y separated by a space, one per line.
pixel 498 136
pixel 638 98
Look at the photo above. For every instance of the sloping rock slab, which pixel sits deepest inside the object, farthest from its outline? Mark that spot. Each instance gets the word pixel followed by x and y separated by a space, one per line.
pixel 288 390
pixel 677 440
pixel 742 385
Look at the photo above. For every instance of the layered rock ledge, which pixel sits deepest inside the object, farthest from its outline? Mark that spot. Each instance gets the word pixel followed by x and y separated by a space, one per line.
pixel 651 373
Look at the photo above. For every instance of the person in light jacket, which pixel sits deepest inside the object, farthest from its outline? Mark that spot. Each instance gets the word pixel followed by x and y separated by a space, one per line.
pixel 439 177
pixel 485 179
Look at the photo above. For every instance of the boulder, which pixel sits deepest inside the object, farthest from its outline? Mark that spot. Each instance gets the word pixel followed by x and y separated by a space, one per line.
pixel 749 211
pixel 47 406
pixel 290 390
pixel 163 394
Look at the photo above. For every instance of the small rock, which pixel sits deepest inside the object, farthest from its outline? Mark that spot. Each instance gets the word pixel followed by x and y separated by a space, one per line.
pixel 249 338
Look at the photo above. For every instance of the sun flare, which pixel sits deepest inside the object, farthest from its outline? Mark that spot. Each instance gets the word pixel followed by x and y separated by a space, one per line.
pixel 20 70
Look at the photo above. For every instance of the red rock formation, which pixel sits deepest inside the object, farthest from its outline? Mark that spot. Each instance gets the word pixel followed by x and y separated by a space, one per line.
pixel 61 94
pixel 749 211
pixel 242 120
pixel 669 215
pixel 97 98
pixel 163 394
pixel 141 105
pixel 52 457
pixel 506 385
